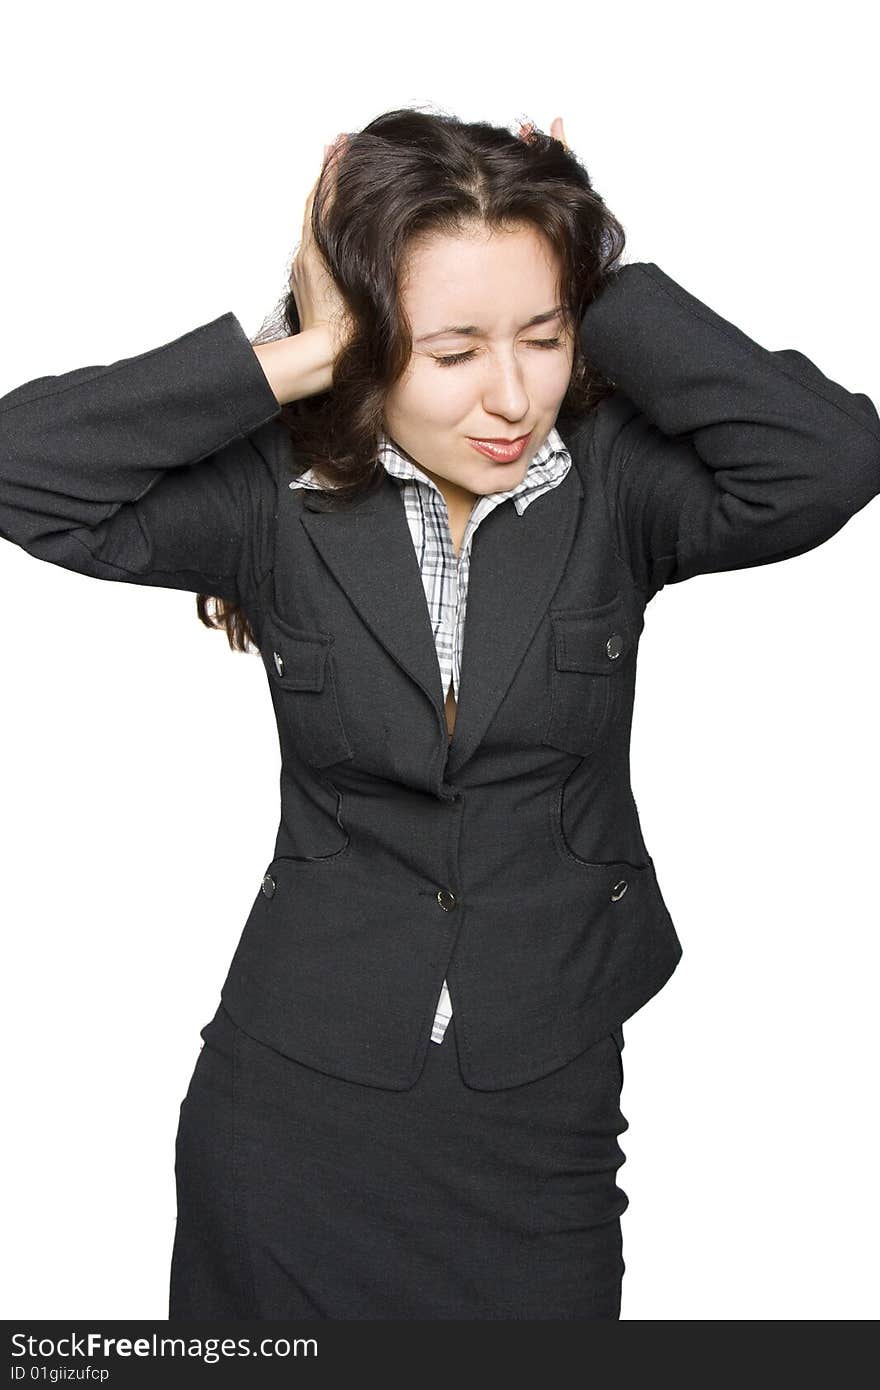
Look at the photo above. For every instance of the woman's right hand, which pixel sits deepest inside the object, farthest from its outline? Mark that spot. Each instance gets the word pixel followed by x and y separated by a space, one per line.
pixel 302 364
pixel 318 301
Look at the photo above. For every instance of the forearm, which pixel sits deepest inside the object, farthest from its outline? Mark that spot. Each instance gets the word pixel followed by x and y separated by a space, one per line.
pixel 717 453
pixel 144 469
pixel 694 373
pixel 300 365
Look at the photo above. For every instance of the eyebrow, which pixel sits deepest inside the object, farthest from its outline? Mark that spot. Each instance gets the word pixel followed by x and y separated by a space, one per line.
pixel 470 330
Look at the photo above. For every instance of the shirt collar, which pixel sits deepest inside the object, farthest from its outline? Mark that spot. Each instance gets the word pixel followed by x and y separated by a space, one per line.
pixel 548 467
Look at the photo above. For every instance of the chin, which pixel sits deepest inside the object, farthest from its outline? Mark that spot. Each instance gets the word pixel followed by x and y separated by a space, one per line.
pixel 500 480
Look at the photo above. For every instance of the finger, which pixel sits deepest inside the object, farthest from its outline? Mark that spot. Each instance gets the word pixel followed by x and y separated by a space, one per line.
pixel 314 188
pixel 335 149
pixel 328 169
pixel 330 152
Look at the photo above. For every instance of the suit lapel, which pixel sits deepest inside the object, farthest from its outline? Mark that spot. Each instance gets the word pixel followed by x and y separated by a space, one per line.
pixel 516 565
pixel 367 546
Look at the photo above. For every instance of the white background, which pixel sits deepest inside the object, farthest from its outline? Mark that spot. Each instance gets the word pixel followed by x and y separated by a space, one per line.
pixel 156 162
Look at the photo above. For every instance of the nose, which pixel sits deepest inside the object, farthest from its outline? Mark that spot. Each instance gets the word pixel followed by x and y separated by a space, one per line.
pixel 504 392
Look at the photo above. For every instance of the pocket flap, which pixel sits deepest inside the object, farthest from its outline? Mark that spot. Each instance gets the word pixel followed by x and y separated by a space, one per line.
pixel 597 640
pixel 296 658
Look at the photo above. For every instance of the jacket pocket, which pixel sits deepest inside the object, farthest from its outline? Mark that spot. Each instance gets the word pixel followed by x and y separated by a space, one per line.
pixel 300 665
pixel 592 648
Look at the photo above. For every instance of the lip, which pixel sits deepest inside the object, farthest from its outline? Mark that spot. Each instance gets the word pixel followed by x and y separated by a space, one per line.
pixel 502 450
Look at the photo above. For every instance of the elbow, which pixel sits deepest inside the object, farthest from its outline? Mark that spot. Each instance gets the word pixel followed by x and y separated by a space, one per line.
pixel 853 472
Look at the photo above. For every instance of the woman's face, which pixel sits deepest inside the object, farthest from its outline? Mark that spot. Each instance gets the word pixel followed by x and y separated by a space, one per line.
pixel 515 375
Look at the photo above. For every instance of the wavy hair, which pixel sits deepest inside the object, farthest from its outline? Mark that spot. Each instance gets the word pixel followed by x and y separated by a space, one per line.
pixel 406 175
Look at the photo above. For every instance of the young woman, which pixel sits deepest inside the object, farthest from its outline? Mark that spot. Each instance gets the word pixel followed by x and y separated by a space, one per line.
pixel 437 498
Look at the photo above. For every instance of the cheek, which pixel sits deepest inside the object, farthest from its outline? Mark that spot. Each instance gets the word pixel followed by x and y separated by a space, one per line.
pixel 435 395
pixel 554 381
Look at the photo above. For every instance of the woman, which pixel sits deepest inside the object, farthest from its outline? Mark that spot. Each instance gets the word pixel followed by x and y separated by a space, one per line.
pixel 438 504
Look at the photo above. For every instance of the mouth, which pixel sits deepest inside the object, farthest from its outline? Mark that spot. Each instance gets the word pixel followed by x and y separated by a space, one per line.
pixel 502 450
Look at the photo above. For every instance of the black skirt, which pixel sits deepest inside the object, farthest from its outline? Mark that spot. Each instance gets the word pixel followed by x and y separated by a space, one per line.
pixel 301 1195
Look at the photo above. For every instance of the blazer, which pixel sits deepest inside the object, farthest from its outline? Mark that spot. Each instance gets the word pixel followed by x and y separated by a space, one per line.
pixel 445 573
pixel 509 859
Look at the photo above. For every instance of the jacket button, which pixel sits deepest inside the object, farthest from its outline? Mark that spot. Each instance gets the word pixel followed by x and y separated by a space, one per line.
pixel 614 645
pixel 279 662
pixel 268 885
pixel 446 899
pixel 618 890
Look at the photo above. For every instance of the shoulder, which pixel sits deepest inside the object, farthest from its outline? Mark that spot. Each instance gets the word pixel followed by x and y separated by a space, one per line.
pixel 274 444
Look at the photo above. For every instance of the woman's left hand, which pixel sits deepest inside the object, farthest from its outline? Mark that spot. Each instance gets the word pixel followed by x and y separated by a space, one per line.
pixel 556 130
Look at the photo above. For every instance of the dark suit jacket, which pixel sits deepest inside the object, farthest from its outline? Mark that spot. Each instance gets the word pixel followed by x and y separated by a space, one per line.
pixel 510 860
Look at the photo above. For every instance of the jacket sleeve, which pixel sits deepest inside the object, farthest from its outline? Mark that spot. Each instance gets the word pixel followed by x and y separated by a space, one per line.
pixel 716 453
pixel 145 471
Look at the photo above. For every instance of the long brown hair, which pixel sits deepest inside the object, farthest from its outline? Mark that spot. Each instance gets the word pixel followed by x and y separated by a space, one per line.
pixel 407 174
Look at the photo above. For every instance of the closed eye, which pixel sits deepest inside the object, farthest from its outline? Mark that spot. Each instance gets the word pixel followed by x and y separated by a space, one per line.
pixel 465 356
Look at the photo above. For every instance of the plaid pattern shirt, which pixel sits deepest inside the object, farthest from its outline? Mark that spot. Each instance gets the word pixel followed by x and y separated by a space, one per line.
pixel 445 574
